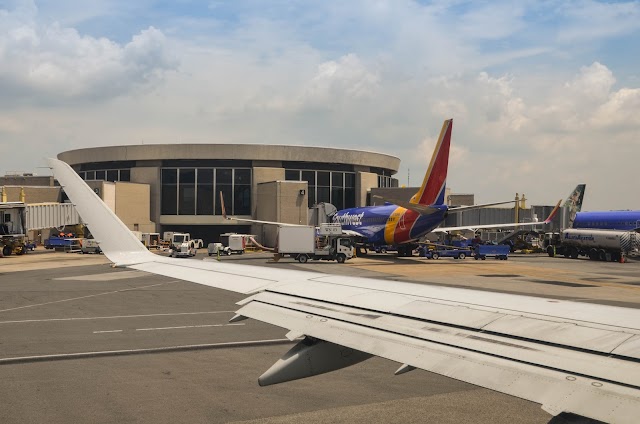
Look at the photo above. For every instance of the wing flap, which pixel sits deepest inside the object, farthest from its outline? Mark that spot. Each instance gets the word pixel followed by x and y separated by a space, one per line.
pixel 530 350
pixel 562 333
pixel 523 321
pixel 557 390
pixel 629 348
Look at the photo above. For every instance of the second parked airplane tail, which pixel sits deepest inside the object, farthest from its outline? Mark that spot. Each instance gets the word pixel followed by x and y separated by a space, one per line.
pixel 433 186
pixel 574 202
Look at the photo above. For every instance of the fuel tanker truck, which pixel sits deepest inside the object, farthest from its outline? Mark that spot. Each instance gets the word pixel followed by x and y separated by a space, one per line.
pixel 601 245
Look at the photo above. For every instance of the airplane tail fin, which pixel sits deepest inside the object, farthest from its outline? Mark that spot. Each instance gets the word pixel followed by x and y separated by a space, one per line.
pixel 553 213
pixel 433 186
pixel 574 202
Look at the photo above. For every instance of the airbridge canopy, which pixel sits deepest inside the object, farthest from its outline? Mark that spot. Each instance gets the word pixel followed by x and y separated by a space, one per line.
pixel 50 215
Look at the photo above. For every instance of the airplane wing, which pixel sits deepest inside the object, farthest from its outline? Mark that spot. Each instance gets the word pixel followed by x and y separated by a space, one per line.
pixel 569 357
pixel 427 210
pixel 478 206
pixel 421 209
pixel 552 215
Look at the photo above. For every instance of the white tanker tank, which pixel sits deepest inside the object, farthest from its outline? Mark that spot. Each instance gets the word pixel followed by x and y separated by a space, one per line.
pixel 596 244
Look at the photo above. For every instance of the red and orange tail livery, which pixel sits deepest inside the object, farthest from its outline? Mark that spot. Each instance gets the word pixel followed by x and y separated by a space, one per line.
pixel 433 186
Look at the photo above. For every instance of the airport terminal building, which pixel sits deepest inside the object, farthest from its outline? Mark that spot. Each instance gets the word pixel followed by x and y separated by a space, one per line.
pixel 268 182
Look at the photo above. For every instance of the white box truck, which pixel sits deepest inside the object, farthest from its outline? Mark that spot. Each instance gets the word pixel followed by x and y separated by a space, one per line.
pixel 302 244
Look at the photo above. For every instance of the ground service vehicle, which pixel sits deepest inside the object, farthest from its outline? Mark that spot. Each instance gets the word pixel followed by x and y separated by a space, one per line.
pixel 182 246
pixel 498 251
pixel 596 244
pixel 446 253
pixel 236 243
pixel 218 249
pixel 66 243
pixel 90 246
pixel 14 243
pixel 151 240
pixel 12 229
pixel 385 248
pixel 302 244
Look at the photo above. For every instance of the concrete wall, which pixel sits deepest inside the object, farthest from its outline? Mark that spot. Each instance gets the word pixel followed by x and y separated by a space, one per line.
pixel 27 180
pixel 130 201
pixel 280 201
pixel 150 174
pixel 32 194
pixel 108 195
pixel 365 181
pixel 132 206
pixel 259 176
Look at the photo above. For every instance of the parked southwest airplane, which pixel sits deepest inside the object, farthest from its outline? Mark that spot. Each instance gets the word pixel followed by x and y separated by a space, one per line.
pixel 400 222
pixel 570 357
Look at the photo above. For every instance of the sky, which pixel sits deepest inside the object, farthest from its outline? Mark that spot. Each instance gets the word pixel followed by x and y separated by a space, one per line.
pixel 544 95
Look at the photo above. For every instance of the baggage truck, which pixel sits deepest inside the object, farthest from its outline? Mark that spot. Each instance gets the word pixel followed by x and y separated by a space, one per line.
pixel 498 251
pixel 302 244
pixel 596 244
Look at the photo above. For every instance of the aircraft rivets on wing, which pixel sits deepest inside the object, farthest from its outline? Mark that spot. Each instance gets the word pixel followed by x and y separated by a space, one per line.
pixel 309 316
pixel 596 384
pixel 323 320
pixel 571 378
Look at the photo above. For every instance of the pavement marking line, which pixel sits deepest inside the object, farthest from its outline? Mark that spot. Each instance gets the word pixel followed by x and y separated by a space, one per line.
pixel 113 317
pixel 188 326
pixel 108 331
pixel 88 296
pixel 183 348
pixel 106 276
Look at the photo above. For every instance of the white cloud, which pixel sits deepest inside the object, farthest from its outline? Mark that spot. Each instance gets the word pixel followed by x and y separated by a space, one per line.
pixel 593 83
pixel 51 64
pixel 620 111
pixel 342 79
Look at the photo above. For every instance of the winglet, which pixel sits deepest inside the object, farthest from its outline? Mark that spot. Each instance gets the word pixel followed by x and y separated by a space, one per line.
pixel 553 213
pixel 433 186
pixel 116 241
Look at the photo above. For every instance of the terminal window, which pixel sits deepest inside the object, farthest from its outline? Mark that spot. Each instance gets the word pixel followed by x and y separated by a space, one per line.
pixel 195 191
pixel 335 187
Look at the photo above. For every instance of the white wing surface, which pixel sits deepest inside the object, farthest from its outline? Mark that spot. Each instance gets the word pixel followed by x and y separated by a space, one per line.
pixel 509 225
pixel 569 357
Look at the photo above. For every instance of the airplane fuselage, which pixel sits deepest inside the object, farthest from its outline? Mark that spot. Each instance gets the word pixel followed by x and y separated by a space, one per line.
pixel 608 220
pixel 389 224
